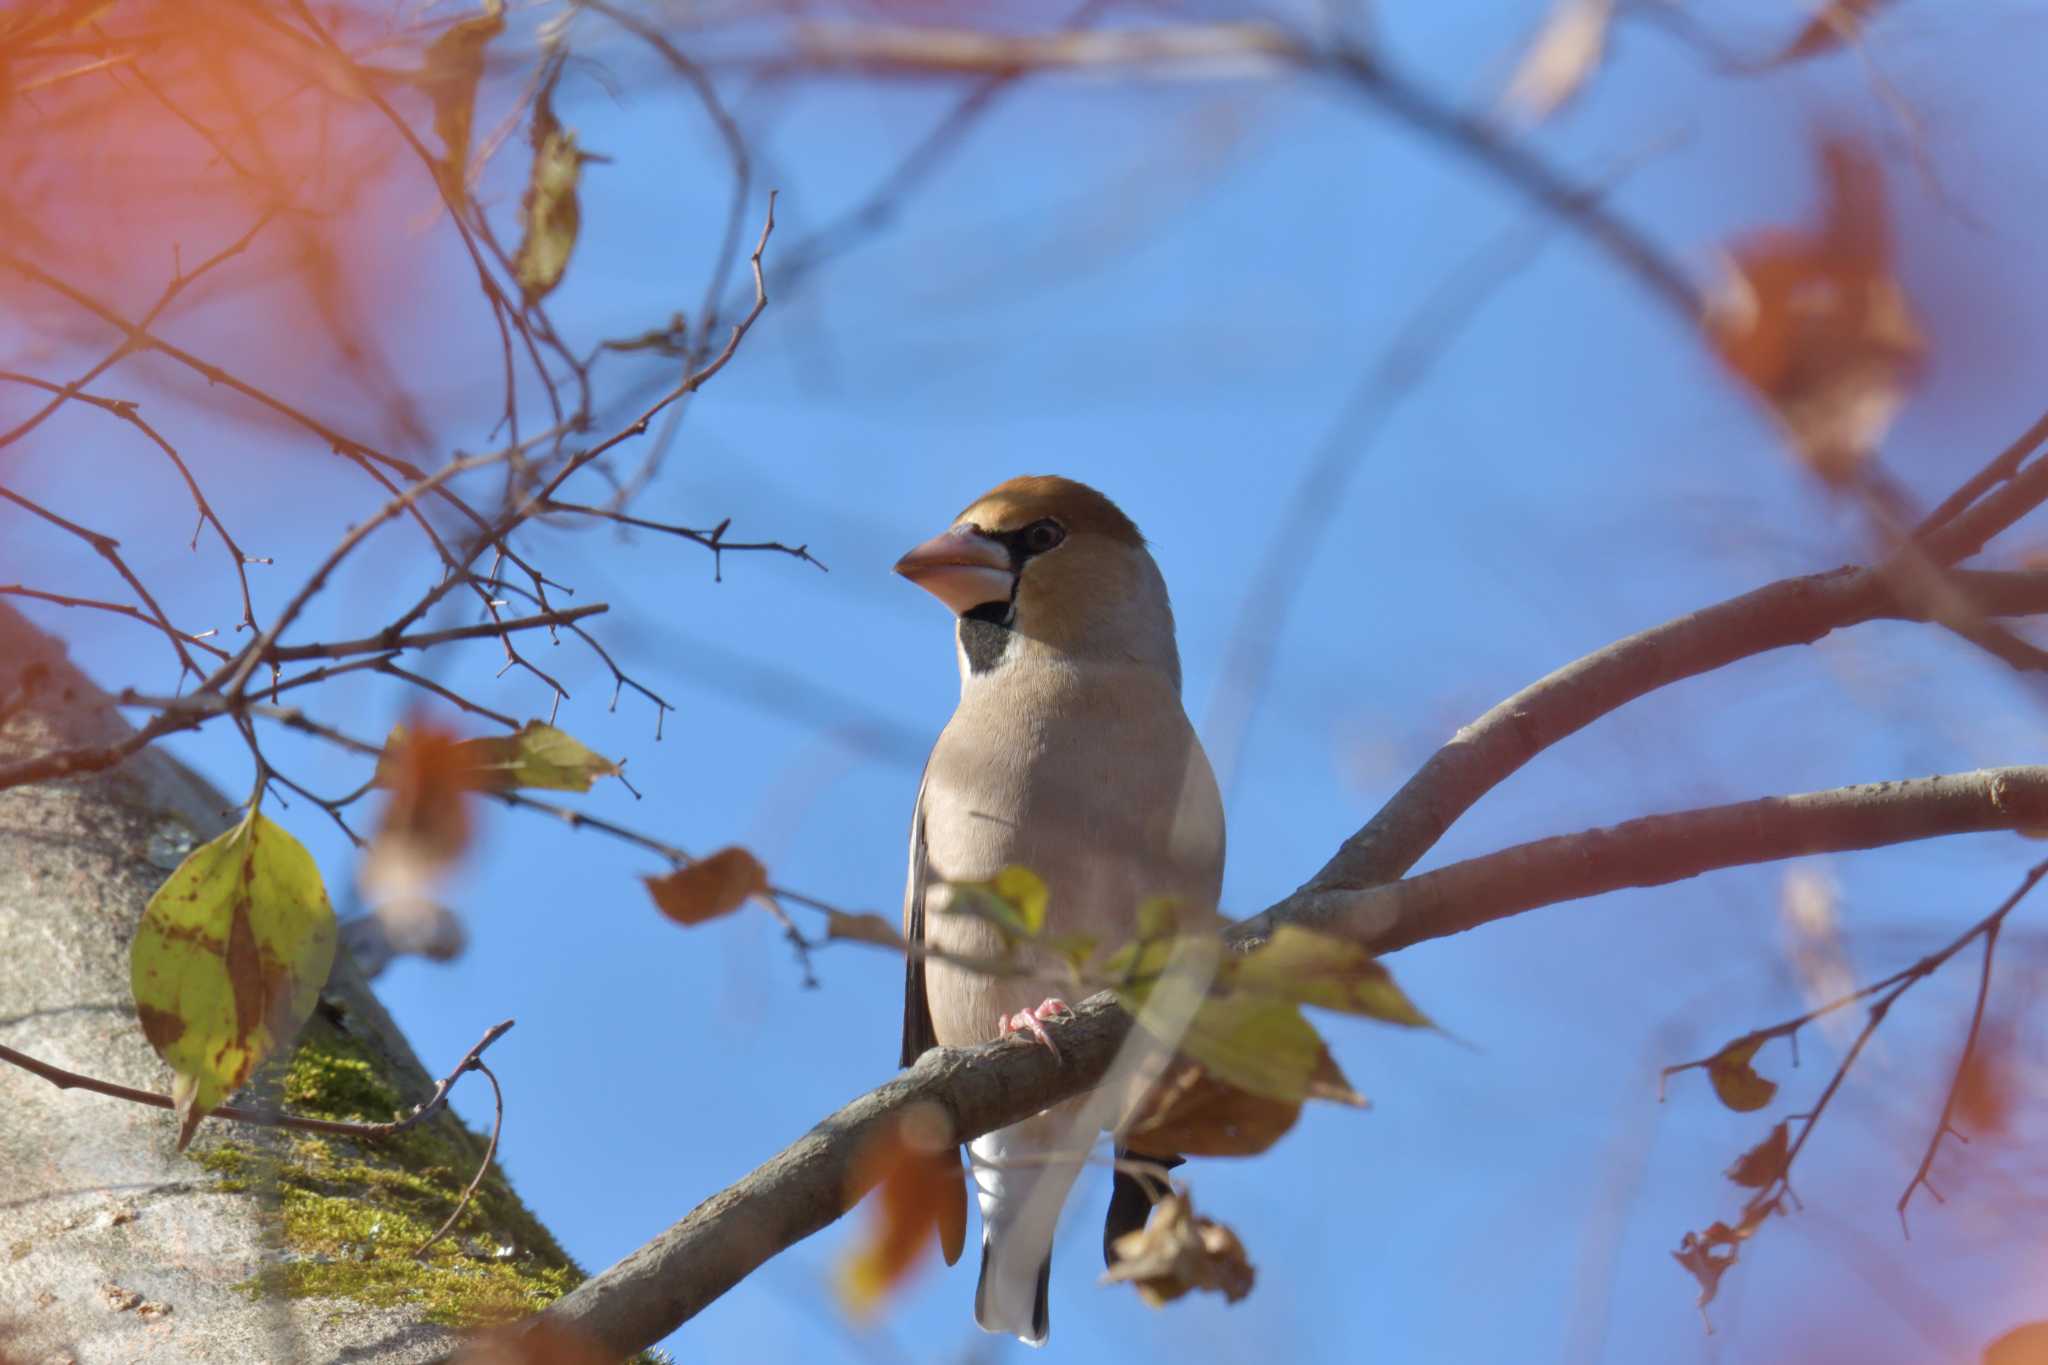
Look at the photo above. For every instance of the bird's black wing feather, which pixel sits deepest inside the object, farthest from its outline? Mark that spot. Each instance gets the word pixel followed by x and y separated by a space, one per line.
pixel 917 1009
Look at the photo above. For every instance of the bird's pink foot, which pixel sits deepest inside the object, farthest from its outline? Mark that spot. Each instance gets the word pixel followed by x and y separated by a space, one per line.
pixel 1031 1022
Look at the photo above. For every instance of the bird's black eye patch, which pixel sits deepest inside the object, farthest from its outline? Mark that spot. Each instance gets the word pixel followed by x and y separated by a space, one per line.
pixel 1040 536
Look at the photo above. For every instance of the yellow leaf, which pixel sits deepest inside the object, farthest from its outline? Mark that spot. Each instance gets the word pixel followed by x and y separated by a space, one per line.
pixel 229 960
pixel 709 887
pixel 1735 1080
pixel 549 213
pixel 1257 1043
pixel 1318 969
pixel 1014 902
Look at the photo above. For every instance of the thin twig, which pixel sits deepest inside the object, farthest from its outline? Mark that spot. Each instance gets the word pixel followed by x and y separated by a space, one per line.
pixel 265 1118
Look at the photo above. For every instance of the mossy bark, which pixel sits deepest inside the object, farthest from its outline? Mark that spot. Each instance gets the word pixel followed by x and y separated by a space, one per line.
pixel 255 1245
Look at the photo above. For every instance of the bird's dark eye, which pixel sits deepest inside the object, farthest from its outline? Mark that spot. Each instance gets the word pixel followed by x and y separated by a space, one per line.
pixel 1041 536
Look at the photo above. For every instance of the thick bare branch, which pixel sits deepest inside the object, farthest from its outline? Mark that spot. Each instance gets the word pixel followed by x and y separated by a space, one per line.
pixel 1792 611
pixel 812 1182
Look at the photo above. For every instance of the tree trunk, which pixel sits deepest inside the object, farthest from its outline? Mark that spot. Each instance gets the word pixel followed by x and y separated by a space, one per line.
pixel 256 1244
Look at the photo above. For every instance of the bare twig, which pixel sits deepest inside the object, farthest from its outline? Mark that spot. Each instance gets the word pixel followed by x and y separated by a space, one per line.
pixel 264 1118
pixel 475 1063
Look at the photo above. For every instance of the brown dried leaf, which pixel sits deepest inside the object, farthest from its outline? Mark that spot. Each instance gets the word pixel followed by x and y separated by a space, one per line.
pixel 1562 58
pixel 863 928
pixel 1836 24
pixel 916 1167
pixel 1735 1080
pixel 427 822
pixel 1191 1113
pixel 710 887
pixel 453 69
pixel 1176 1251
pixel 1816 324
pixel 1987 1089
pixel 1765 1163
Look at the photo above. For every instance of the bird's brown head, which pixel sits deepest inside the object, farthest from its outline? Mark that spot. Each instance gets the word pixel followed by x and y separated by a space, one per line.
pixel 1053 560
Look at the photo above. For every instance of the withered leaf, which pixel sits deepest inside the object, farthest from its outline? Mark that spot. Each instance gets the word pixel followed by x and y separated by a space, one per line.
pixel 710 887
pixel 1191 1113
pixel 1834 25
pixel 2026 1344
pixel 1765 1163
pixel 862 928
pixel 1176 1252
pixel 1735 1080
pixel 453 69
pixel 549 214
pixel 915 1166
pixel 1817 325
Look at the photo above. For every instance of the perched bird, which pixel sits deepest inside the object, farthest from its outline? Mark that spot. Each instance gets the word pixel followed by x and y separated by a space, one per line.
pixel 1069 754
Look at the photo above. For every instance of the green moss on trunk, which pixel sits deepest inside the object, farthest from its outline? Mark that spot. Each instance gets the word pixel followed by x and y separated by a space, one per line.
pixel 351 1214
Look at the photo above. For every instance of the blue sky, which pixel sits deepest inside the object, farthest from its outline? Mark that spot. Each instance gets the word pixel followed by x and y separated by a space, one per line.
pixel 1167 290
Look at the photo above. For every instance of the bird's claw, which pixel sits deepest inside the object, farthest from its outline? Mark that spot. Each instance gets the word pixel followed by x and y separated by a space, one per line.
pixel 1032 1022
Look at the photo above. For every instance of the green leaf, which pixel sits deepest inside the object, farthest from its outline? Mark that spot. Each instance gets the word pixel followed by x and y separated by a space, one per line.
pixel 1258 1043
pixel 1735 1080
pixel 229 960
pixel 549 213
pixel 1318 969
pixel 1014 902
pixel 538 756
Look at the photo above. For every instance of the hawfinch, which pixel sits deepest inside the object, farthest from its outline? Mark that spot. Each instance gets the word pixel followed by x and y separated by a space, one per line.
pixel 1069 754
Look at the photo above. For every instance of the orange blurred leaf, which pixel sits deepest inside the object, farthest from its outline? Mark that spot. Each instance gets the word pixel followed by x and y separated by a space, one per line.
pixel 915 1166
pixel 1176 1252
pixel 1816 324
pixel 1987 1090
pixel 709 887
pixel 1836 24
pixel 427 823
pixel 2026 1344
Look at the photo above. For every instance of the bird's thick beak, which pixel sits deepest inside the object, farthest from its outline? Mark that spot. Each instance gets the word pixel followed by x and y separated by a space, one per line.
pixel 962 568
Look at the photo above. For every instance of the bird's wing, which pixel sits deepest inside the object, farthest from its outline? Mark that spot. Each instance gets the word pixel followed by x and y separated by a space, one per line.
pixel 918 1037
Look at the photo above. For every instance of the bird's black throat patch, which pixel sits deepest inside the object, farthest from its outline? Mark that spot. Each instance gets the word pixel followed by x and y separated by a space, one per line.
pixel 985 635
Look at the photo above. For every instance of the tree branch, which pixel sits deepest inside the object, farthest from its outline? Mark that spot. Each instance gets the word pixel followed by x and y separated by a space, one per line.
pixel 1792 611
pixel 816 1179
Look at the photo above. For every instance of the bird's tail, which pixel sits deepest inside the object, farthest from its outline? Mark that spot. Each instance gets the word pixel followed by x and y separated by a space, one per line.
pixel 1021 1177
